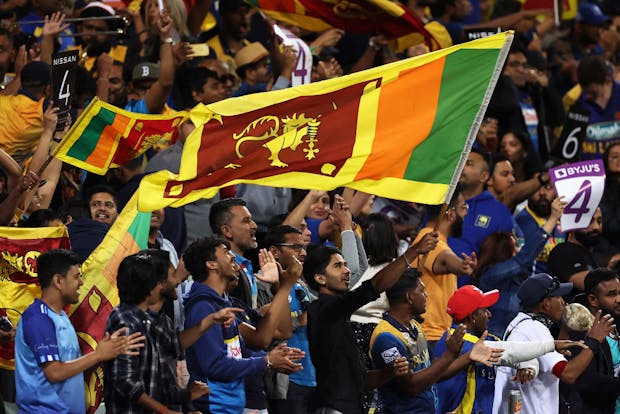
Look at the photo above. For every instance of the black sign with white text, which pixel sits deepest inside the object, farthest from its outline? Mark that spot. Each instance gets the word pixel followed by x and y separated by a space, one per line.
pixel 64 67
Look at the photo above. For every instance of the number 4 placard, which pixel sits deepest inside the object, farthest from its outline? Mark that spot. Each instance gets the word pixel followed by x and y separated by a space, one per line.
pixel 582 185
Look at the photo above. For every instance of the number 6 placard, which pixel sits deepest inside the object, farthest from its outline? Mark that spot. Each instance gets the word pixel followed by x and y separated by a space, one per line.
pixel 582 185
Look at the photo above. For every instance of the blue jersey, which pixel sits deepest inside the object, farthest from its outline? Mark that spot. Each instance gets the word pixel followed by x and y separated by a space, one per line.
pixel 45 336
pixel 299 299
pixel 472 389
pixel 247 267
pixel 389 341
pixel 603 126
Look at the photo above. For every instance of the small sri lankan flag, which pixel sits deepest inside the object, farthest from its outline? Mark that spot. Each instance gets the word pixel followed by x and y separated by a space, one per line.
pixel 105 136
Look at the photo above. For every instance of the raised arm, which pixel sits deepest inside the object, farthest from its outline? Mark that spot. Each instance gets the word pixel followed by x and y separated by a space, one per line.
pixel 389 275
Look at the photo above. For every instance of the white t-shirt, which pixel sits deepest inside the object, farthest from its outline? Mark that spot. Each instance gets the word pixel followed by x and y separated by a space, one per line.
pixel 542 394
pixel 371 312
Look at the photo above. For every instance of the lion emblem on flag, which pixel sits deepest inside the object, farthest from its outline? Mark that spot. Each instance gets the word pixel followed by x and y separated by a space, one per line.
pixel 285 133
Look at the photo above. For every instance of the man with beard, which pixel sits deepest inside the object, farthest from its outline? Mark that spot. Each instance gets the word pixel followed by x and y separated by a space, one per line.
pixel 572 260
pixel 599 386
pixel 231 36
pixel 441 265
pixel 533 216
pixel 487 215
pixel 92 44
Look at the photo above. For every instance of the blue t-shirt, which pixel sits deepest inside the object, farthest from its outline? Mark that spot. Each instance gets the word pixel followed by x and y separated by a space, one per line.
pixel 604 125
pixel 45 336
pixel 486 215
pixel 247 267
pixel 470 390
pixel 391 340
pixel 298 300
pixel 138 106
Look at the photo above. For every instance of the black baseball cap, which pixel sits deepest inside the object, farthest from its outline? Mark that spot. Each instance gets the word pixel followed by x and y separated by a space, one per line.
pixel 36 73
pixel 541 286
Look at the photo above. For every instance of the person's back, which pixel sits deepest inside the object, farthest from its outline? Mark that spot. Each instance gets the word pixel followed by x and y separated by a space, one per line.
pixel 21 118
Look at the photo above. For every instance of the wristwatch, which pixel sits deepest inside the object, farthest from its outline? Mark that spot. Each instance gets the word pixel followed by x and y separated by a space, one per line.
pixel 169 41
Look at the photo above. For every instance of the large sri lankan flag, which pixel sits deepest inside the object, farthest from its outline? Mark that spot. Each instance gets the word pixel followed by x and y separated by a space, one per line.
pixel 19 285
pixel 105 136
pixel 98 295
pixel 388 17
pixel 401 131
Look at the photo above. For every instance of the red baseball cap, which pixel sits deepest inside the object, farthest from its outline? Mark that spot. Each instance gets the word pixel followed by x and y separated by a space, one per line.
pixel 467 299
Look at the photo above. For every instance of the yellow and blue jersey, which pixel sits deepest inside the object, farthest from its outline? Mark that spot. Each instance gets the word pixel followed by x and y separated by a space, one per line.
pixel 391 340
pixel 471 390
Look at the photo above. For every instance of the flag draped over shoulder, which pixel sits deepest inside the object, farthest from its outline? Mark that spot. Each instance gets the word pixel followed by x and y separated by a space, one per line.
pixel 98 295
pixel 388 17
pixel 105 136
pixel 19 285
pixel 401 131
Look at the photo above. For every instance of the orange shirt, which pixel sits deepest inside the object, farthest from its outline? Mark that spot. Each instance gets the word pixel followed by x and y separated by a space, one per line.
pixel 439 288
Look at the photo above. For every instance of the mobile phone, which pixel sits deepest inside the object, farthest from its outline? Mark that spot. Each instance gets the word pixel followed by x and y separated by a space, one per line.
pixel 160 4
pixel 199 49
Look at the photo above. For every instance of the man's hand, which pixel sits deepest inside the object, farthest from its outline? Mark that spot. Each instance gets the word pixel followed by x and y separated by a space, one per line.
pixel 601 327
pixel 341 213
pixel 292 273
pixel 468 263
pixel 198 389
pixel 523 375
pixel 484 354
pixel 289 60
pixel 400 367
pixel 224 316
pixel 181 273
pixel 113 345
pixel 164 25
pixel 557 208
pixel 281 359
pixel 181 51
pixel 50 117
pixel 426 244
pixel 54 24
pixel 270 269
pixel 29 181
pixel 454 341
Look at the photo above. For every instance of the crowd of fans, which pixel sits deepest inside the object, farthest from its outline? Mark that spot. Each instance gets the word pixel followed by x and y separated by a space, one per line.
pixel 280 300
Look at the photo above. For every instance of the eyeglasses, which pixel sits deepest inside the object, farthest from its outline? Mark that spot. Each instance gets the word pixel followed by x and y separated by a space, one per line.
pixel 463 207
pixel 296 247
